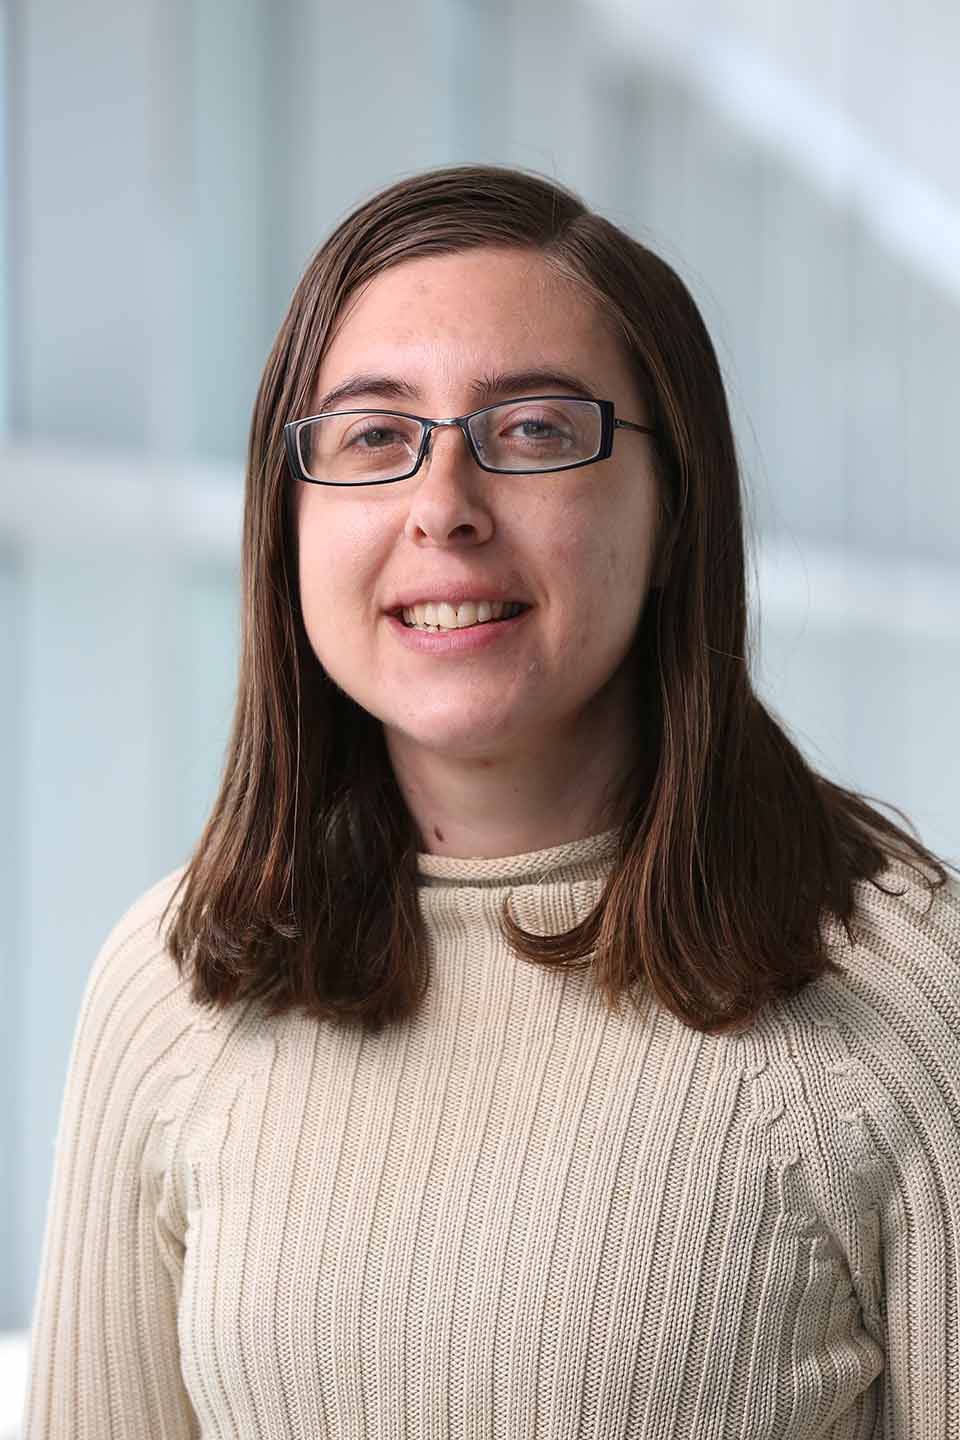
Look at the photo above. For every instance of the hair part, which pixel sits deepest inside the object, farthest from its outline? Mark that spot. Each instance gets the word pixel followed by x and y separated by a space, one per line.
pixel 302 889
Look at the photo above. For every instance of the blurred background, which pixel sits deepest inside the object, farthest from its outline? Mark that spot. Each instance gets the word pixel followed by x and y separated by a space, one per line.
pixel 169 166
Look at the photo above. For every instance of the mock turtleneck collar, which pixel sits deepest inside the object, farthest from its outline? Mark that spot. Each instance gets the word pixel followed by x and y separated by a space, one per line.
pixel 588 859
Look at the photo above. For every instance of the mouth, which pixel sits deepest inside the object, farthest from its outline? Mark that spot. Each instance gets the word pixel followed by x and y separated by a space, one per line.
pixel 437 618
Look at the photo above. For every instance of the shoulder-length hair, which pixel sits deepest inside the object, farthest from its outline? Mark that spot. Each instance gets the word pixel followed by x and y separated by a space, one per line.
pixel 302 889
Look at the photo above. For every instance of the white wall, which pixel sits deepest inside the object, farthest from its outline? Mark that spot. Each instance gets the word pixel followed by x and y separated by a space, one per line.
pixel 118 647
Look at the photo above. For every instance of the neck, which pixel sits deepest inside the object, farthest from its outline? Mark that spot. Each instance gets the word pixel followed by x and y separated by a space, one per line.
pixel 512 801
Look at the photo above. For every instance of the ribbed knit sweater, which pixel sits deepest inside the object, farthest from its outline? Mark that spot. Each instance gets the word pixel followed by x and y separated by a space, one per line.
pixel 517 1214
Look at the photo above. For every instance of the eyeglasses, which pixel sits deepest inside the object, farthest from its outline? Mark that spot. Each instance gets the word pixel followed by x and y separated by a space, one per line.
pixel 533 435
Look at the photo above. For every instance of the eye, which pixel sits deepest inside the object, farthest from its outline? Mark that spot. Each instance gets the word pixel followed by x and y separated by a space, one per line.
pixel 375 437
pixel 535 429
pixel 535 423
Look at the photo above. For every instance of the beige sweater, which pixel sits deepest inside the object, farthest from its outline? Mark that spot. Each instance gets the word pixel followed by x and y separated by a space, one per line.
pixel 517 1215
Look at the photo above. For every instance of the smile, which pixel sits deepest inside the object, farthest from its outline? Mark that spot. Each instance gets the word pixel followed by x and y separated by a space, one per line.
pixel 449 617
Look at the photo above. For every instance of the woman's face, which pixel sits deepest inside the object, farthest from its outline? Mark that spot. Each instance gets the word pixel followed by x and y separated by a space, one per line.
pixel 576 547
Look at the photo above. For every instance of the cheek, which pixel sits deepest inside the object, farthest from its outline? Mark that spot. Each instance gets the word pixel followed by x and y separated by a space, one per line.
pixel 608 574
pixel 604 569
pixel 339 558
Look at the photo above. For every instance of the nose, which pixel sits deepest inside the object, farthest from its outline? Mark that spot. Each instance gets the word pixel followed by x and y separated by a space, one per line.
pixel 449 504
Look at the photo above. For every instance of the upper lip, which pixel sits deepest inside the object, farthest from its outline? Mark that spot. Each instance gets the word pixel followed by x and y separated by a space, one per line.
pixel 453 592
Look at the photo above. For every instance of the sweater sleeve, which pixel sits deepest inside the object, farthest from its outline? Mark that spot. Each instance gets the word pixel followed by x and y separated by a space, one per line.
pixel 104 1354
pixel 907 1054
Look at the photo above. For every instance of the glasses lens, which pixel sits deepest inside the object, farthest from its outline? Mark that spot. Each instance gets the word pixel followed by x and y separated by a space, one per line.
pixel 358 446
pixel 529 435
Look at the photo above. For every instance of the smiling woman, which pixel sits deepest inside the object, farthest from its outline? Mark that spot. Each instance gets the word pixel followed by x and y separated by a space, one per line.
pixel 506 736
pixel 360 1135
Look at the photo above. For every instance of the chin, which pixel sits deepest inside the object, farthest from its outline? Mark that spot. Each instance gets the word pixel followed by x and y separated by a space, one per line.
pixel 463 738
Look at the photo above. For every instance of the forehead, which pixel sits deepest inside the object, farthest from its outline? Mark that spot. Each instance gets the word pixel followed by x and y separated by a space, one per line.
pixel 449 315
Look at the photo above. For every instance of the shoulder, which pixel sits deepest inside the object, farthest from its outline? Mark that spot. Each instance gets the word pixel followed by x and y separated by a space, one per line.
pixel 899 969
pixel 878 1038
pixel 137 1021
pixel 133 957
pixel 145 917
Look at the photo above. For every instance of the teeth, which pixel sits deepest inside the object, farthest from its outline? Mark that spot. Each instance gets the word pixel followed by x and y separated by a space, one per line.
pixel 443 616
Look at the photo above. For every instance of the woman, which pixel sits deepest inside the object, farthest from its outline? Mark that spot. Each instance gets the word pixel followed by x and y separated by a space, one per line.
pixel 534 1044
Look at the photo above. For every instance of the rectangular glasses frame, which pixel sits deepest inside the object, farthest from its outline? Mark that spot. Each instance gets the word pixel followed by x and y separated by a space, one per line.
pixel 608 424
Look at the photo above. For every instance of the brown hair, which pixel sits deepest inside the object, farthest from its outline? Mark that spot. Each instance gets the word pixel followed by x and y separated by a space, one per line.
pixel 302 890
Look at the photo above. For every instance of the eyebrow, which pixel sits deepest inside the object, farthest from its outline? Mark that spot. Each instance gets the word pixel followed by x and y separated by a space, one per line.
pixel 485 388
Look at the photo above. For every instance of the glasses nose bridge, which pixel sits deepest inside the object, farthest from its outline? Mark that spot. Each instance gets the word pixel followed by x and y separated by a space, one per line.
pixel 457 422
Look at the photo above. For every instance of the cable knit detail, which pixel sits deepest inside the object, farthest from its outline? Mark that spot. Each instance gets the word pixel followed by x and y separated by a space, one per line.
pixel 516 1214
